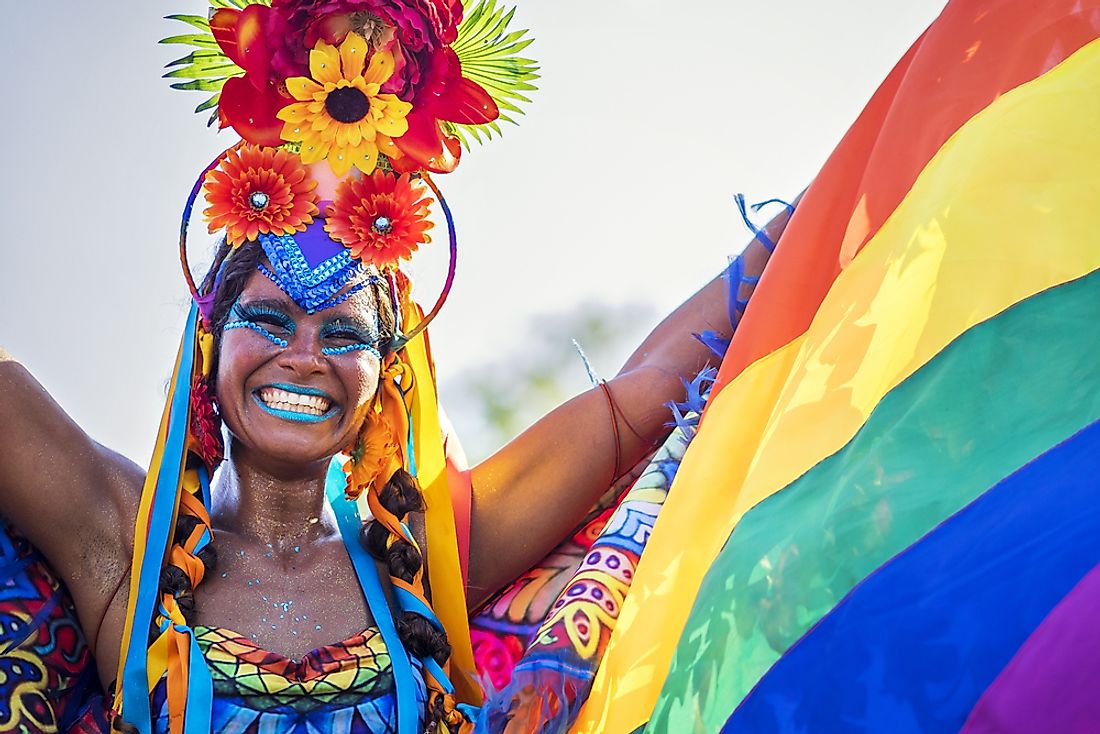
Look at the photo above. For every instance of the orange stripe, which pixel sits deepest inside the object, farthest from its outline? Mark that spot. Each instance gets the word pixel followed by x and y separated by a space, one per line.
pixel 972 54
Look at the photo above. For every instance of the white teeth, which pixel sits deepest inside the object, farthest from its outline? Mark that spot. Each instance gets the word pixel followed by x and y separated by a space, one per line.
pixel 294 402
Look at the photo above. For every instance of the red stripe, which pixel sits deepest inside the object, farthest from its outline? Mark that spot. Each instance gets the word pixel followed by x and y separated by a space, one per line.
pixel 974 52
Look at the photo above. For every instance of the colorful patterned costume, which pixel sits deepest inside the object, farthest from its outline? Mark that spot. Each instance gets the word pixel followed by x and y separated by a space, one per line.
pixel 888 520
pixel 48 681
pixel 343 687
pixel 561 612
pixel 46 675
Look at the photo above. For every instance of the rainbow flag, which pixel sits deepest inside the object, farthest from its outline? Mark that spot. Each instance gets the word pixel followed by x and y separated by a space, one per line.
pixel 889 520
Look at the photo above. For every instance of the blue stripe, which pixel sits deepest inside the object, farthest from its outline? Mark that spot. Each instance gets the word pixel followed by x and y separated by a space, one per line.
pixel 913 647
pixel 135 688
pixel 200 691
pixel 204 484
pixel 347 516
pixel 204 540
pixel 437 672
pixel 410 603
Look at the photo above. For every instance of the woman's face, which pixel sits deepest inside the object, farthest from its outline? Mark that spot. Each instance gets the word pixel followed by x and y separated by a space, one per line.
pixel 293 387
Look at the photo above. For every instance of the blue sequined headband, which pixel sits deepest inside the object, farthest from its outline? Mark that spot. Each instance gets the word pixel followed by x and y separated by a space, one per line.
pixel 312 269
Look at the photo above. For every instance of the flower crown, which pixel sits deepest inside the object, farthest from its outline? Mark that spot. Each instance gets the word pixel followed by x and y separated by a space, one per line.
pixel 344 108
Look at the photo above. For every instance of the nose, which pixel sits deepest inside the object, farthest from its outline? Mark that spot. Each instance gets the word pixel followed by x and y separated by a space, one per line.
pixel 302 354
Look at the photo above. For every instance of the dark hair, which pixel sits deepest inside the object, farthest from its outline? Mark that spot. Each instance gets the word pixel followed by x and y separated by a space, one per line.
pixel 226 278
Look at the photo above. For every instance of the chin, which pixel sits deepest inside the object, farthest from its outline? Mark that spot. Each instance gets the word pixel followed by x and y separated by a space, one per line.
pixel 288 442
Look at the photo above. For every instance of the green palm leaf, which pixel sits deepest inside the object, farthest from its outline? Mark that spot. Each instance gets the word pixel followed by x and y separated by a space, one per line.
pixel 206 68
pixel 489 55
pixel 238 4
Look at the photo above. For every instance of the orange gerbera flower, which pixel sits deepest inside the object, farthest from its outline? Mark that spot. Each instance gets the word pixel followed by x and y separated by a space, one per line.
pixel 381 218
pixel 374 458
pixel 257 190
pixel 340 114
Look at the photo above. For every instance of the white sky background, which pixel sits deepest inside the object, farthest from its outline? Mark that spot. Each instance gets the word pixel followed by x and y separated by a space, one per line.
pixel 617 186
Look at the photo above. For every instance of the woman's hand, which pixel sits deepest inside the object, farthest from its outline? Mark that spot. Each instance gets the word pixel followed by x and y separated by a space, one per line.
pixel 533 492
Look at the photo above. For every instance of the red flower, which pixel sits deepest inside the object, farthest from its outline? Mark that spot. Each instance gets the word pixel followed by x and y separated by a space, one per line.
pixel 442 94
pixel 206 425
pixel 417 25
pixel 273 43
pixel 249 103
pixel 381 218
pixel 427 72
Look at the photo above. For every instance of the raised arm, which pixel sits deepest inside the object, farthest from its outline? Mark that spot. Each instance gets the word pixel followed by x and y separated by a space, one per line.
pixel 531 493
pixel 74 499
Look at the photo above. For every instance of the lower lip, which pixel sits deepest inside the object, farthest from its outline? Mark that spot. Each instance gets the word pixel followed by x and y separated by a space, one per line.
pixel 294 417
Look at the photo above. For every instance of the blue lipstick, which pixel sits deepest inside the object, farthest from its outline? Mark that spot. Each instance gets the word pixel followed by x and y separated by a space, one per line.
pixel 294 416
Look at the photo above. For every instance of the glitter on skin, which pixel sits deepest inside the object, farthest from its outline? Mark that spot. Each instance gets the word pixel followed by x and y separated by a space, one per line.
pixel 293 548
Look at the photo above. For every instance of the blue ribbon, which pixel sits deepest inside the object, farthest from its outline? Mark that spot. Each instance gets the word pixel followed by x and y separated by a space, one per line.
pixel 135 679
pixel 204 484
pixel 347 517
pixel 200 690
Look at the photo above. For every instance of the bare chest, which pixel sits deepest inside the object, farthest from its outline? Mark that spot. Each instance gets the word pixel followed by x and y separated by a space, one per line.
pixel 289 602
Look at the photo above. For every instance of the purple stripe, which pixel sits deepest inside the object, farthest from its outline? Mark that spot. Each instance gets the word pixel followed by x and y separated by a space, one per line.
pixel 1051 683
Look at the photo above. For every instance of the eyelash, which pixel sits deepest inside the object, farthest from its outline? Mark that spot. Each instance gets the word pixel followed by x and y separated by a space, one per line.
pixel 264 315
pixel 251 317
pixel 357 347
pixel 359 341
pixel 256 317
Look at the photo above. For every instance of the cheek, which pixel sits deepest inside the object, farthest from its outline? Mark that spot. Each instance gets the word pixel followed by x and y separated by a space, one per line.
pixel 362 380
pixel 237 356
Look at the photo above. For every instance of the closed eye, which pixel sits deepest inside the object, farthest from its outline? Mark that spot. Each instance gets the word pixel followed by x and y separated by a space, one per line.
pixel 343 329
pixel 261 314
pixel 347 335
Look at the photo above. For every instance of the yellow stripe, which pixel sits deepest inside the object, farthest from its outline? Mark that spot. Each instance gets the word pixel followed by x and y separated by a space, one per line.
pixel 448 592
pixel 141 527
pixel 1009 206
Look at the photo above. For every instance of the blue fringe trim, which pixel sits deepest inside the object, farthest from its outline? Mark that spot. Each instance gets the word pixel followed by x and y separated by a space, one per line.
pixel 759 232
pixel 685 414
pixel 715 342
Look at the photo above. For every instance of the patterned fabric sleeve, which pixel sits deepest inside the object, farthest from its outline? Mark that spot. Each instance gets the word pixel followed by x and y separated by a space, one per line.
pixel 539 643
pixel 47 676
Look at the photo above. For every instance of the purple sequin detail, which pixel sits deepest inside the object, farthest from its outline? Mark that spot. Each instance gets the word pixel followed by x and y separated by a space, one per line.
pixel 316 245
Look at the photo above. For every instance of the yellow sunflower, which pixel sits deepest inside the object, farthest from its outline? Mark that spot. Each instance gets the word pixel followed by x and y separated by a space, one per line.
pixel 340 113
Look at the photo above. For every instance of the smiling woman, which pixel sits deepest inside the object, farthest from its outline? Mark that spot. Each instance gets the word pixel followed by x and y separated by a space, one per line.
pixel 897 460
pixel 307 543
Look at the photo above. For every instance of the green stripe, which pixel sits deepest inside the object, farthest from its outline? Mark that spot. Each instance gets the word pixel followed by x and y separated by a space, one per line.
pixel 1002 393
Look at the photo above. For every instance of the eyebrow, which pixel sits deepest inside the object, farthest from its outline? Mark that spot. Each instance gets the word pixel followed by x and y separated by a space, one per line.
pixel 279 304
pixel 352 320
